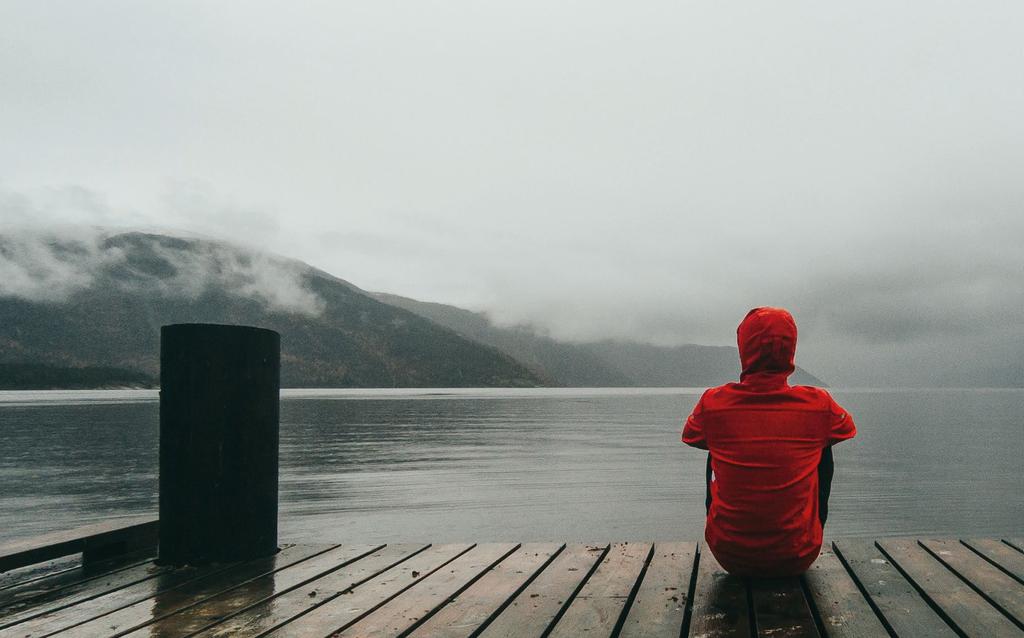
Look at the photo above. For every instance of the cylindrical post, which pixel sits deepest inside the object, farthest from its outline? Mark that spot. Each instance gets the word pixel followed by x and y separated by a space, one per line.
pixel 219 396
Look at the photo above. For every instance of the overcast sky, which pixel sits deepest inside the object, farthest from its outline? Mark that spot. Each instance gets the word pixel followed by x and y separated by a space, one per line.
pixel 638 170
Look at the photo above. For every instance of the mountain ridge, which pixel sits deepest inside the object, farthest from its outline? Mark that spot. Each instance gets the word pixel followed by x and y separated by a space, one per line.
pixel 606 363
pixel 333 335
pixel 90 308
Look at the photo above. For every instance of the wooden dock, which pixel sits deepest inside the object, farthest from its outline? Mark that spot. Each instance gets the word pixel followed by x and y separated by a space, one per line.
pixel 857 588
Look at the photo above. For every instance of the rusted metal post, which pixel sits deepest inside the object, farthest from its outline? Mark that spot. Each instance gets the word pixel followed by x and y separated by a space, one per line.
pixel 219 411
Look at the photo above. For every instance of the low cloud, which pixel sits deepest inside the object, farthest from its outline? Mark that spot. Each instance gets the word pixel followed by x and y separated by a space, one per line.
pixel 190 269
pixel 910 293
pixel 45 268
pixel 44 260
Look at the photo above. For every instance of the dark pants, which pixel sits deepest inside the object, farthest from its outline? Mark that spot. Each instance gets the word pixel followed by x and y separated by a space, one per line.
pixel 826 468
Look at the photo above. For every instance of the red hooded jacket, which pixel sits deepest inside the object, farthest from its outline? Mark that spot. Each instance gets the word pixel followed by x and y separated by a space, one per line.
pixel 765 439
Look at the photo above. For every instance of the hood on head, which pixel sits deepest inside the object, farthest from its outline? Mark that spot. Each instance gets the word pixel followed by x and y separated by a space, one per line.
pixel 767 342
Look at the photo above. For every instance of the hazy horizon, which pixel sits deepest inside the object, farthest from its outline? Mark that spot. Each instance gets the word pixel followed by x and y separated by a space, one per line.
pixel 599 170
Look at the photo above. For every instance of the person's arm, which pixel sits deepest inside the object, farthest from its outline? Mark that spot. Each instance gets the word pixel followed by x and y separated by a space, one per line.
pixel 707 486
pixel 693 431
pixel 693 435
pixel 840 424
pixel 840 428
pixel 826 468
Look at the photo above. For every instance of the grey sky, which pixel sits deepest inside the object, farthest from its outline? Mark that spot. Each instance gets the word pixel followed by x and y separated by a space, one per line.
pixel 643 170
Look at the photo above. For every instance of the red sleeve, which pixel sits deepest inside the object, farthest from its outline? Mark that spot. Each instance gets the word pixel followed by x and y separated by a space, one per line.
pixel 693 431
pixel 841 426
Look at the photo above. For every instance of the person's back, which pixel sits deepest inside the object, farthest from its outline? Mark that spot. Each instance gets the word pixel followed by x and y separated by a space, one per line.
pixel 766 441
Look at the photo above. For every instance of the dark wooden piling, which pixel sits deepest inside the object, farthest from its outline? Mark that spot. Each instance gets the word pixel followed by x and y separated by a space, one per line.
pixel 219 396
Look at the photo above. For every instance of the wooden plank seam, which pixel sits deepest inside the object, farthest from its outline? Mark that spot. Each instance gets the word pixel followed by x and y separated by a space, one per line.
pixel 1014 545
pixel 47 602
pixel 458 593
pixel 5 591
pixel 977 590
pixel 690 592
pixel 216 572
pixel 508 601
pixel 993 563
pixel 864 591
pixel 575 592
pixel 107 593
pixel 249 580
pixel 633 591
pixel 381 603
pixel 924 594
pixel 320 602
pixel 337 595
pixel 815 612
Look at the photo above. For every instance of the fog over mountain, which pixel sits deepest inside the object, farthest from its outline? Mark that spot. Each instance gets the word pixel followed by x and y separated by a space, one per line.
pixel 631 171
pixel 606 363
pixel 101 327
pixel 53 266
pixel 85 309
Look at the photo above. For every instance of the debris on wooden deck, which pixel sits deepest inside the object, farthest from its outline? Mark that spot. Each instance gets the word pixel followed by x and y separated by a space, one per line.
pixel 857 588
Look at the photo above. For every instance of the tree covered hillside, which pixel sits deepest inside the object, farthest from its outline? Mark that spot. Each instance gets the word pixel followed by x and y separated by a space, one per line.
pixel 100 301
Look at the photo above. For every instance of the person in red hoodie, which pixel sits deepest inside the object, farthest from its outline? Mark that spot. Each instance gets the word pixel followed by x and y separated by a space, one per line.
pixel 769 455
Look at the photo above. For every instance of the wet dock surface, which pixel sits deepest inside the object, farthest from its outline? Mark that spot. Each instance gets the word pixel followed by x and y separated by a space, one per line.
pixel 857 588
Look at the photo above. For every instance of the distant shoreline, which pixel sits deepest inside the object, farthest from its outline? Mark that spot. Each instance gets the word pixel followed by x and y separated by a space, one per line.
pixel 36 376
pixel 10 396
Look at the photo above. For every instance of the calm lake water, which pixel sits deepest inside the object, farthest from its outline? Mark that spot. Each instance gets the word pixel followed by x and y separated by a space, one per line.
pixel 546 464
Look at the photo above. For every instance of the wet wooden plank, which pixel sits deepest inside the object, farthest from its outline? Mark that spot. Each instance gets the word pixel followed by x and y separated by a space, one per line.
pixel 28 573
pixel 477 604
pixel 51 601
pixel 1016 543
pixel 994 585
pixel 902 608
pixel 93 607
pixel 719 601
pixel 182 598
pixel 1007 558
pixel 660 603
pixel 780 609
pixel 130 533
pixel 844 611
pixel 75 574
pixel 235 616
pixel 405 611
pixel 971 613
pixel 352 605
pixel 532 611
pixel 599 605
